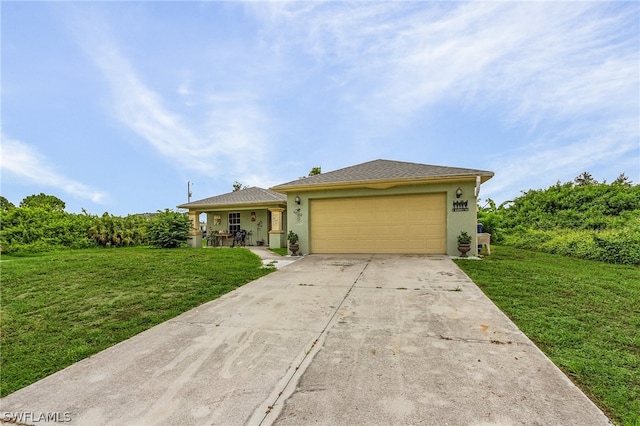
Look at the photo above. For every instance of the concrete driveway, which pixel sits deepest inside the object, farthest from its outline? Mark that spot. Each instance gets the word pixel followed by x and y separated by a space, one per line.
pixel 342 340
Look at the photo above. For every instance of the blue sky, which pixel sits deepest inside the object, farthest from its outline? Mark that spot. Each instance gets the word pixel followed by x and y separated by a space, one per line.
pixel 114 106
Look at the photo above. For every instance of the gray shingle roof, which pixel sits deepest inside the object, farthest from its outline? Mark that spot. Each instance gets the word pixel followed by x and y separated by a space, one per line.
pixel 382 170
pixel 248 196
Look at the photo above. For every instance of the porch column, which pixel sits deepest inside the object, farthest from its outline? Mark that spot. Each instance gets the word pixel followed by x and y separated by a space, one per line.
pixel 194 240
pixel 276 234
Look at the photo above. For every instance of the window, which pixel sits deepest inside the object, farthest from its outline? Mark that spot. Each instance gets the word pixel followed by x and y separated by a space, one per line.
pixel 234 222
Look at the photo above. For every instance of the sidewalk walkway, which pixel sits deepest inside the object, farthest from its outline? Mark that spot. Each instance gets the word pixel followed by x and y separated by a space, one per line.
pixel 270 258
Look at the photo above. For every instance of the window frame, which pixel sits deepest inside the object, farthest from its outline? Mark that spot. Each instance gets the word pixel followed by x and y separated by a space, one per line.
pixel 234 222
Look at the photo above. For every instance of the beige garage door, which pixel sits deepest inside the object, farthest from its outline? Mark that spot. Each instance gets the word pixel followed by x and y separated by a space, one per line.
pixel 389 224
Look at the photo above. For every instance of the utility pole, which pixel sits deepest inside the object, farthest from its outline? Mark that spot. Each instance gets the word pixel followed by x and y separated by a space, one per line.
pixel 189 193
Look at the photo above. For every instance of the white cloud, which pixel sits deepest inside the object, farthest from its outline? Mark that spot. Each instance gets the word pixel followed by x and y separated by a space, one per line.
pixel 566 71
pixel 541 60
pixel 562 71
pixel 23 161
pixel 214 146
pixel 546 161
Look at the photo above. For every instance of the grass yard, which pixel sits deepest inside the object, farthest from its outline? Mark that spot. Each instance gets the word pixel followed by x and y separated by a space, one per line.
pixel 584 315
pixel 58 308
pixel 283 251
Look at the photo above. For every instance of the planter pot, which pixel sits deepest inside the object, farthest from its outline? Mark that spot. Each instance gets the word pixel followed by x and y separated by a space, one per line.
pixel 463 249
pixel 294 249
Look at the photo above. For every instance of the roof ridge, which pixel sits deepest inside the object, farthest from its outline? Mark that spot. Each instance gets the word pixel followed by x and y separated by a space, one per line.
pixel 382 169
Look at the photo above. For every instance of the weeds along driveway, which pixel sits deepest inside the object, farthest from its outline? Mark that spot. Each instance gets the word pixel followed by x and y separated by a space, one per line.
pixel 357 339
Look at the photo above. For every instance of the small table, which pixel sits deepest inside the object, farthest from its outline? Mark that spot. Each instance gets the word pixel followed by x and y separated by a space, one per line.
pixel 219 238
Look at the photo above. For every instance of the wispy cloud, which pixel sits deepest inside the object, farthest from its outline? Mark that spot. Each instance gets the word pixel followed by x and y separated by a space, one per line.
pixel 213 144
pixel 23 161
pixel 540 59
pixel 559 72
pixel 555 159
pixel 565 72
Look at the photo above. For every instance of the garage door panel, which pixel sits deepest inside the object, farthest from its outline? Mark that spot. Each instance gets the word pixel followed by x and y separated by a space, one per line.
pixel 386 224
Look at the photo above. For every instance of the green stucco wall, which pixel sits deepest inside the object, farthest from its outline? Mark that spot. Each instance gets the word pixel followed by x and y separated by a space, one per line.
pixel 457 221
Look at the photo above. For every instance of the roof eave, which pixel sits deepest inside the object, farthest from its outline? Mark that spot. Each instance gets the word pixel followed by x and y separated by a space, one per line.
pixel 239 206
pixel 383 183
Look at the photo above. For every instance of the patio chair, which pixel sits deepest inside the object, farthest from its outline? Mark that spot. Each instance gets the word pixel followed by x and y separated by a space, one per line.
pixel 239 238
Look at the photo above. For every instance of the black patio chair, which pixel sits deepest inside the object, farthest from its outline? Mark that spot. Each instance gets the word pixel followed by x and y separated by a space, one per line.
pixel 239 238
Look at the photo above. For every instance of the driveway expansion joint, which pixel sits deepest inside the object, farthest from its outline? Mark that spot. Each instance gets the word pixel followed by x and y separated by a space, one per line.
pixel 273 409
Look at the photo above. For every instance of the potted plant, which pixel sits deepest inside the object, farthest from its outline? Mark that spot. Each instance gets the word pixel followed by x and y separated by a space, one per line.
pixel 464 243
pixel 293 242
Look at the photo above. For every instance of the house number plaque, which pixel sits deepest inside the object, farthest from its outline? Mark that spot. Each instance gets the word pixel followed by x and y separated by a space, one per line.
pixel 461 206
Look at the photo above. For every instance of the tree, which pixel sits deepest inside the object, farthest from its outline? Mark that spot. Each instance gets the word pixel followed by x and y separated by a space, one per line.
pixel 5 204
pixel 169 229
pixel 585 179
pixel 622 179
pixel 45 201
pixel 237 186
pixel 315 171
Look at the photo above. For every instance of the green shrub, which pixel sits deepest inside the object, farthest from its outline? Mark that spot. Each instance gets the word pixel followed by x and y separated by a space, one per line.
pixel 19 249
pixel 527 238
pixel 569 243
pixel 40 224
pixel 492 224
pixel 168 229
pixel 612 246
pixel 621 246
pixel 115 231
pixel 589 220
pixel 39 229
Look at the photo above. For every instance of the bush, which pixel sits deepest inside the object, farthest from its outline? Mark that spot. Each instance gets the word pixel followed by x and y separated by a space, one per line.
pixel 591 220
pixel 40 224
pixel 19 249
pixel 114 231
pixel 492 224
pixel 612 246
pixel 40 229
pixel 168 229
pixel 618 246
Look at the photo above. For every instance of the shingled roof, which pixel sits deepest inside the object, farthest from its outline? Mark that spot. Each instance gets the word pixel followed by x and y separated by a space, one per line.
pixel 253 196
pixel 383 170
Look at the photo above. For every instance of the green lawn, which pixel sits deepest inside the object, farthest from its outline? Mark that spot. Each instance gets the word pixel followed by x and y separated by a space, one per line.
pixel 584 315
pixel 283 251
pixel 58 308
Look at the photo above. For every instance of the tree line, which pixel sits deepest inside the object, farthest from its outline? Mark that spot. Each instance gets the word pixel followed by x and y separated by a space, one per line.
pixel 40 223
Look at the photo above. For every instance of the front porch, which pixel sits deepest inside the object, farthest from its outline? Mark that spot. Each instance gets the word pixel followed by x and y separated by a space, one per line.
pixel 254 213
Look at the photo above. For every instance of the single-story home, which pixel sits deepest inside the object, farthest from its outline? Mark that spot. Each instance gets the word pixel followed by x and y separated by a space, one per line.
pixel 380 206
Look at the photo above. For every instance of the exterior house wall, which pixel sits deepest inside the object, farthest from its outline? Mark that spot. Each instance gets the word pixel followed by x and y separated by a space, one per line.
pixel 457 221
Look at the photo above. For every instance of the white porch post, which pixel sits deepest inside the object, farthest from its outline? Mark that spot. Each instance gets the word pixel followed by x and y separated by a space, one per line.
pixel 194 240
pixel 276 234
